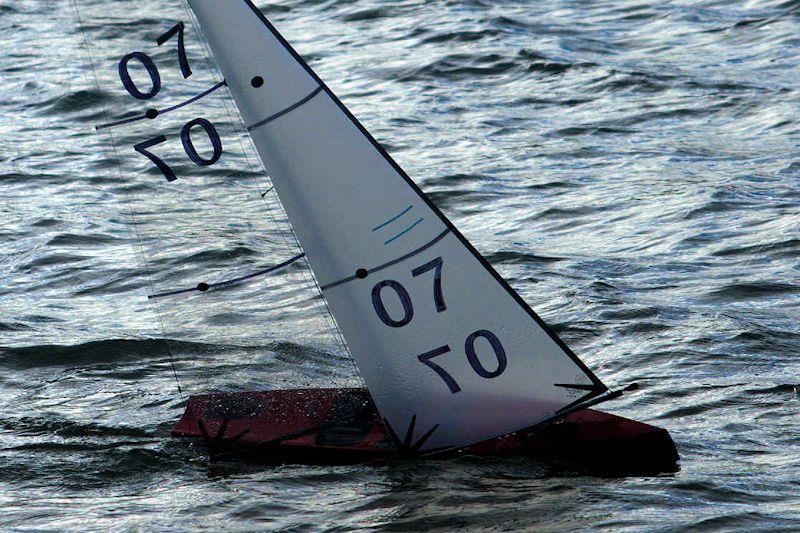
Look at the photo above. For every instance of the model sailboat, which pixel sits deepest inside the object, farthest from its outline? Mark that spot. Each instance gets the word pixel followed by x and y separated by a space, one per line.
pixel 452 356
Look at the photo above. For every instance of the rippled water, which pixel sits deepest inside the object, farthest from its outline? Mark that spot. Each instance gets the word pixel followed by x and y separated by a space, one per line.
pixel 631 167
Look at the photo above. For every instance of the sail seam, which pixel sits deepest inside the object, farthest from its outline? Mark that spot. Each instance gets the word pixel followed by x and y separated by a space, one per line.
pixel 282 112
pixel 576 386
pixel 390 263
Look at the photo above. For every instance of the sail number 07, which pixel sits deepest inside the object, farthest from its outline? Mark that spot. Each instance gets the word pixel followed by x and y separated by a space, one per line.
pixel 438 299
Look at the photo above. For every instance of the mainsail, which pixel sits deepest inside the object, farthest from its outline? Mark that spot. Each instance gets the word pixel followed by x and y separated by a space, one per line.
pixel 450 352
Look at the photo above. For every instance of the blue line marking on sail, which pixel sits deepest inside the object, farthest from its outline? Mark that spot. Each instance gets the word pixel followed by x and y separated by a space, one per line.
pixel 282 112
pixel 162 111
pixel 403 212
pixel 203 287
pixel 412 226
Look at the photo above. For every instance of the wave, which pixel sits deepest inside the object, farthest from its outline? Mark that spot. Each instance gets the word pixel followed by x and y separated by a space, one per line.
pixel 119 350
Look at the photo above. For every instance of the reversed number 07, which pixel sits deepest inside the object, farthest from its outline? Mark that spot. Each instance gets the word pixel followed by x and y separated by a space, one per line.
pixel 472 358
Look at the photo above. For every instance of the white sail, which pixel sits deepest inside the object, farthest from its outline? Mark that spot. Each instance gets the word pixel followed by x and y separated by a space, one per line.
pixel 439 338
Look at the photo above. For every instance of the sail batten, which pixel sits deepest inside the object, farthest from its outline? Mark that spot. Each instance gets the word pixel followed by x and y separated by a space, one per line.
pixel 439 337
pixel 387 264
pixel 282 112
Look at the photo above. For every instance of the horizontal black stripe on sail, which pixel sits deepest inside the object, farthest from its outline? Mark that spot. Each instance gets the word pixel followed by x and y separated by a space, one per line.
pixel 576 386
pixel 389 263
pixel 159 112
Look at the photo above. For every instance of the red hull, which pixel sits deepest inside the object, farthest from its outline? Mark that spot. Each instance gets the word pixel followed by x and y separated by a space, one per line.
pixel 588 437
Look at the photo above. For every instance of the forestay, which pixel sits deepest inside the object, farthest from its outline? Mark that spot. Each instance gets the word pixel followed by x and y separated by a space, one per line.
pixel 439 338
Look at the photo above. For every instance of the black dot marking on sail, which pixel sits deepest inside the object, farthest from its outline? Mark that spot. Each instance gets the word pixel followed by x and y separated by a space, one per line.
pixel 361 273
pixel 202 287
pixel 257 81
pixel 151 113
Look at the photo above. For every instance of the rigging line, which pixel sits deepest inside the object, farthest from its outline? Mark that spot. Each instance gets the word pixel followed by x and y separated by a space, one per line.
pixel 203 287
pixel 282 112
pixel 403 212
pixel 392 262
pixel 162 111
pixel 412 226
pixel 127 196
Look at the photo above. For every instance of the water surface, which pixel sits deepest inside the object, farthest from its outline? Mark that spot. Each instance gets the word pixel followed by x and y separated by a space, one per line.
pixel 630 167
